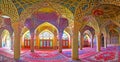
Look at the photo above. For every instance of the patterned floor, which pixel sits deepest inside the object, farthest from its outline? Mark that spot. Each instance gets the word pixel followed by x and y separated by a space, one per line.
pixel 109 54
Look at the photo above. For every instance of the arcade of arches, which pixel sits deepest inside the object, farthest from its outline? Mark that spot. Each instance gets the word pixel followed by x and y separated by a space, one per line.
pixel 75 29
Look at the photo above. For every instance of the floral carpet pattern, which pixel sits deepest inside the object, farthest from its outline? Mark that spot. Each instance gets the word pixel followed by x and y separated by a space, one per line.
pixel 109 54
pixel 105 56
pixel 41 56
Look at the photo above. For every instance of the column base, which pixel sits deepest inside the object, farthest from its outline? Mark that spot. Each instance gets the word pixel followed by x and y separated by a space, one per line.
pixel 32 50
pixel 98 50
pixel 105 47
pixel 91 46
pixel 60 51
pixel 17 60
pixel 80 48
pixel 75 59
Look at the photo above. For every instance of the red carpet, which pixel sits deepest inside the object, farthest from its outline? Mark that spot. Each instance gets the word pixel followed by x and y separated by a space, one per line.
pixel 109 54
pixel 105 56
pixel 41 56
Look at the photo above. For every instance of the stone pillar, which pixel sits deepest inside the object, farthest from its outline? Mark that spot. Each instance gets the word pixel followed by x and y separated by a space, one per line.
pixel 16 28
pixel 81 41
pixel 98 42
pixel 0 41
pixel 60 42
pixel 32 42
pixel 70 40
pixel 119 38
pixel 105 41
pixel 12 45
pixel 75 41
pixel 108 38
pixel 92 41
pixel 37 42
pixel 55 41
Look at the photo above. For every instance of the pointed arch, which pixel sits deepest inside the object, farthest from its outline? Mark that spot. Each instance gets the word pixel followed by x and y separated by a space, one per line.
pixel 46 39
pixel 66 40
pixel 6 39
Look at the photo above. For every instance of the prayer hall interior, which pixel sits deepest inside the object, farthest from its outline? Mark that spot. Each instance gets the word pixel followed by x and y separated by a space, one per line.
pixel 59 30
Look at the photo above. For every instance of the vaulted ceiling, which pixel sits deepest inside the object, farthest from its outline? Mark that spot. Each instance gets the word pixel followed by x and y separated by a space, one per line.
pixel 73 10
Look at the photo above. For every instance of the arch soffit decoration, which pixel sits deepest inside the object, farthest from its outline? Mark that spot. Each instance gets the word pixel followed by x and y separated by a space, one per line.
pixel 79 14
pixel 88 32
pixel 47 25
pixel 68 31
pixel 62 10
pixel 25 29
pixel 9 9
pixel 25 33
pixel 50 29
pixel 88 28
pixel 4 32
pixel 94 24
pixel 47 31
pixel 107 23
pixel 114 19
pixel 84 16
pixel 115 31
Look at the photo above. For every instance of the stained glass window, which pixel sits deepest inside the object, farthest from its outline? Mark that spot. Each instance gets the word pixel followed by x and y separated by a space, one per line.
pixel 27 38
pixel 6 39
pixel 46 38
pixel 65 40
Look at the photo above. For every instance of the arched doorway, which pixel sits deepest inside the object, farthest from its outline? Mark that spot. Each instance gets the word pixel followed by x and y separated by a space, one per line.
pixel 87 36
pixel 86 40
pixel 6 39
pixel 65 40
pixel 46 39
pixel 26 39
pixel 102 40
pixel 114 37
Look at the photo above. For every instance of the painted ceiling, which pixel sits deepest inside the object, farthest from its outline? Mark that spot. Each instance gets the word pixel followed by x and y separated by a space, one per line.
pixel 23 4
pixel 70 9
pixel 106 10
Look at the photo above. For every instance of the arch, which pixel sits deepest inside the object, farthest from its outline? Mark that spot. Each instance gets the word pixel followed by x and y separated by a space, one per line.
pixel 60 9
pixel 46 25
pixel 67 33
pixel 111 2
pixel 88 32
pixel 92 22
pixel 102 40
pixel 108 23
pixel 111 25
pixel 25 43
pixel 88 28
pixel 6 24
pixel 46 39
pixel 10 10
pixel 66 40
pixel 43 32
pixel 68 30
pixel 87 38
pixel 6 39
pixel 114 37
pixel 25 29
pixel 85 8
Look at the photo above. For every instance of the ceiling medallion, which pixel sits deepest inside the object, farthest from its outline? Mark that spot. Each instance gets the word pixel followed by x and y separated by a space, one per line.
pixel 98 12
